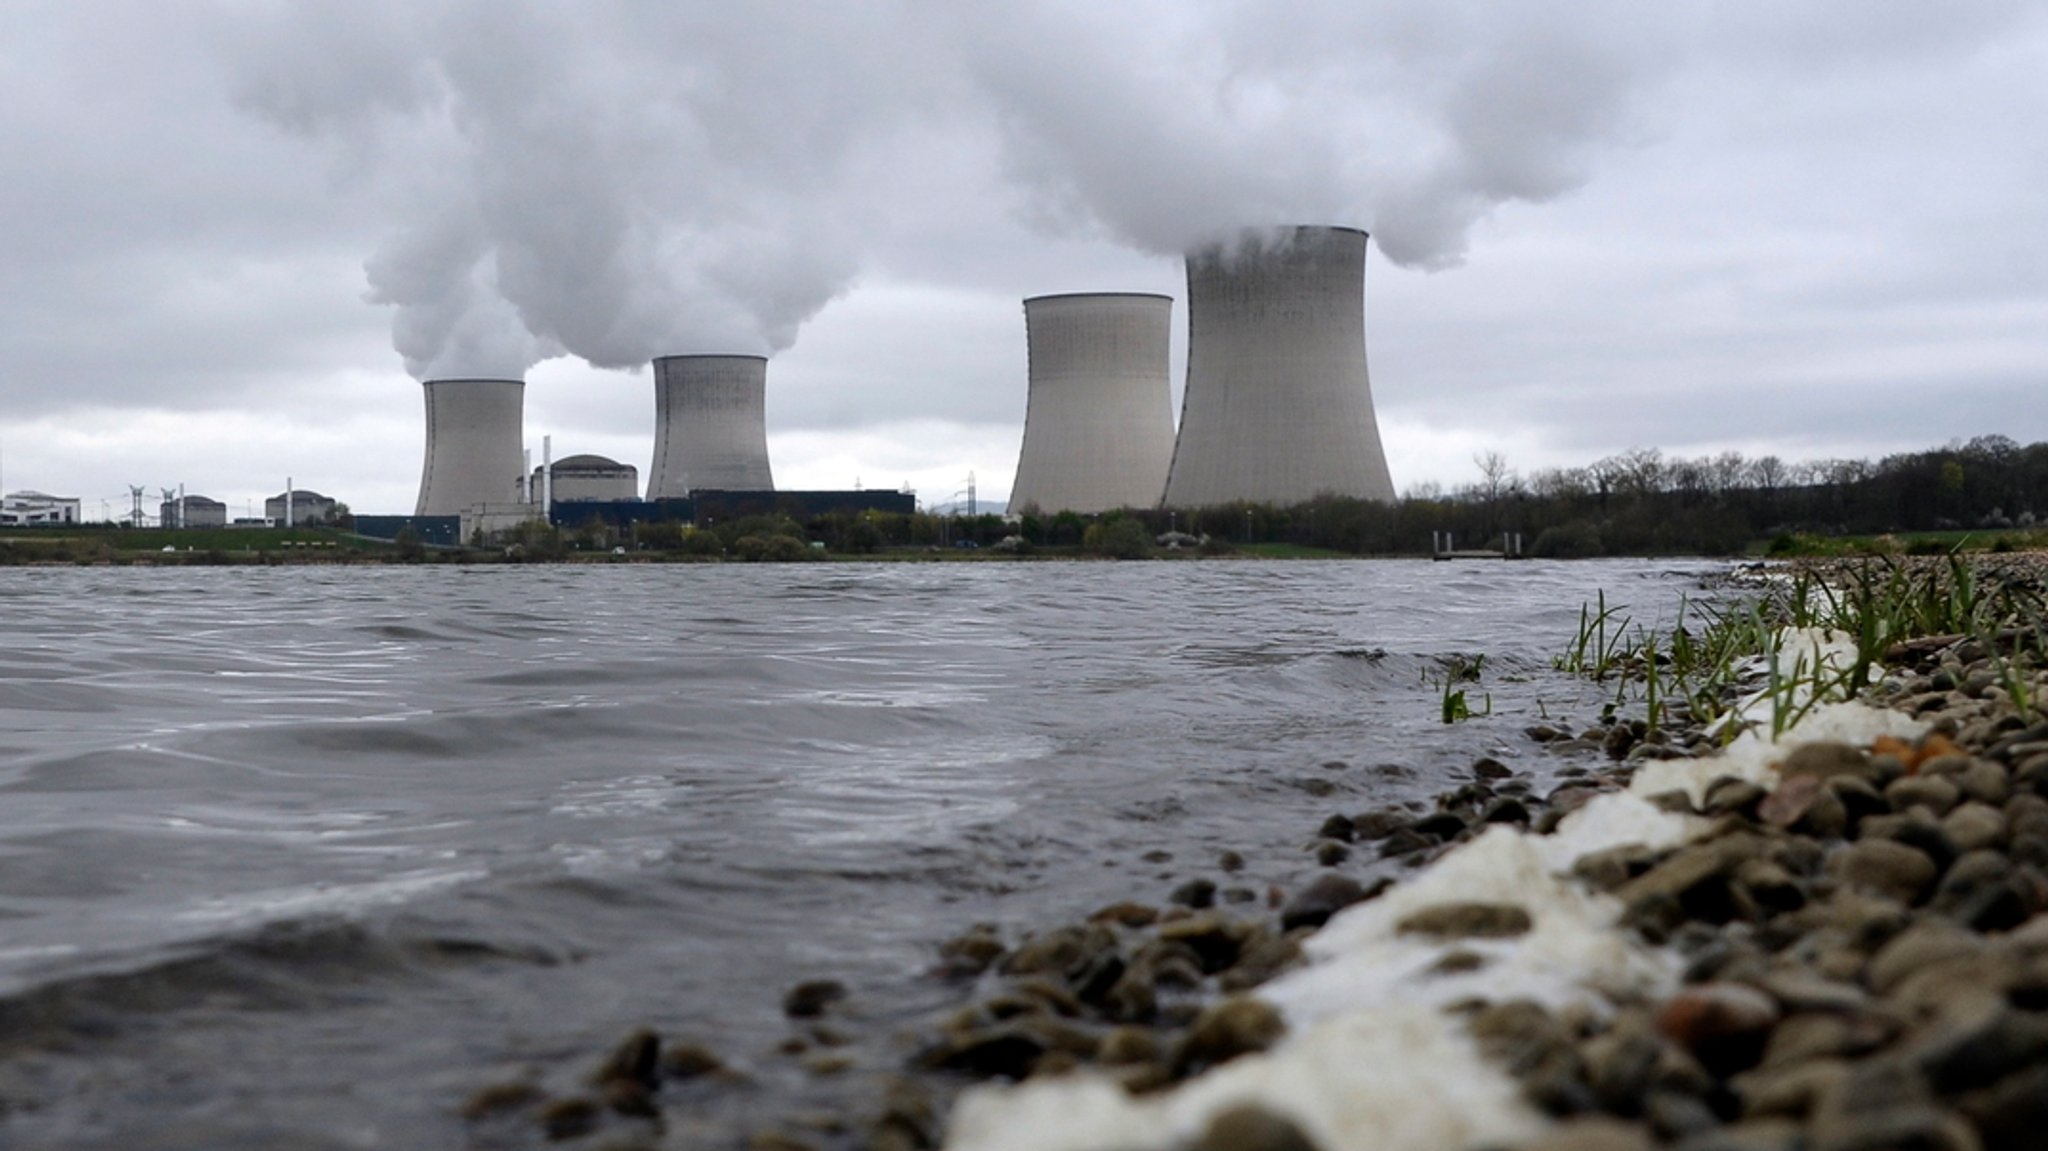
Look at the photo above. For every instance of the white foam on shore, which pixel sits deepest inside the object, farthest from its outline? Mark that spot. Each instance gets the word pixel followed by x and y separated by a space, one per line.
pixel 1754 753
pixel 1399 1078
pixel 1373 1062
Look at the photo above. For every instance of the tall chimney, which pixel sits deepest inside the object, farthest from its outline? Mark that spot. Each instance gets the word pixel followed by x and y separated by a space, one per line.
pixel 1278 406
pixel 474 428
pixel 1098 417
pixel 710 425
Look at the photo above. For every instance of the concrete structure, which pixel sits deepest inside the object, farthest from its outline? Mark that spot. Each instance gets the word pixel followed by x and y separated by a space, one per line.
pixel 710 425
pixel 579 479
pixel 475 453
pixel 307 506
pixel 1098 421
pixel 192 512
pixel 1278 407
pixel 479 523
pixel 32 509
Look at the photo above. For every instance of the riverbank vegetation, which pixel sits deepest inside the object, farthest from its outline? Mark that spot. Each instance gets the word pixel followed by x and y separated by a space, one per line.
pixel 1975 496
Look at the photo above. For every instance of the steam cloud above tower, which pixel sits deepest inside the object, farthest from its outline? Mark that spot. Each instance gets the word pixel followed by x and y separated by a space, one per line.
pixel 621 181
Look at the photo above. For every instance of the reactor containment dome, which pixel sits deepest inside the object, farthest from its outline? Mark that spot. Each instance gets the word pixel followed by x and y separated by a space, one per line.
pixel 1278 406
pixel 710 425
pixel 475 450
pixel 1098 419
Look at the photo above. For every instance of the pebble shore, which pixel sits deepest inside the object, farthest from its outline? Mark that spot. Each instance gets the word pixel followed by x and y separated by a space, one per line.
pixel 1864 959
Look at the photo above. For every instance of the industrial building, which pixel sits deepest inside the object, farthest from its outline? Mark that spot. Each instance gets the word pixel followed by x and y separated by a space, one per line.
pixel 1098 417
pixel 710 425
pixel 581 479
pixel 192 512
pixel 298 506
pixel 34 509
pixel 475 451
pixel 1278 407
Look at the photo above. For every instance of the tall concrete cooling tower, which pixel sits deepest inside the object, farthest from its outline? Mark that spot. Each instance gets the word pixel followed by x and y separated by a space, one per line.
pixel 1278 408
pixel 710 425
pixel 1098 423
pixel 475 450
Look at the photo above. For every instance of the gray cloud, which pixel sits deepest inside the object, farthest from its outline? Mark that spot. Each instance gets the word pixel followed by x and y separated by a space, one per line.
pixel 1676 225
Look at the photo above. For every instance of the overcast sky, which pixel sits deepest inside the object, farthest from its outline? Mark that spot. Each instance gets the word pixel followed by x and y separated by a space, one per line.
pixel 237 233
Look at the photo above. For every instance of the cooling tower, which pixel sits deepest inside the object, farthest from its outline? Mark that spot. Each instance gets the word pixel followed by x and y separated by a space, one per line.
pixel 475 454
pixel 710 425
pixel 1278 408
pixel 1098 422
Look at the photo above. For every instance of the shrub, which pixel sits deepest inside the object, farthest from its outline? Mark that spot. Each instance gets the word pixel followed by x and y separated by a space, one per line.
pixel 774 548
pixel 1579 539
pixel 1121 538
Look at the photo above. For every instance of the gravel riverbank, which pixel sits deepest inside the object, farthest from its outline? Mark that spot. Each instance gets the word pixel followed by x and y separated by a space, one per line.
pixel 1856 951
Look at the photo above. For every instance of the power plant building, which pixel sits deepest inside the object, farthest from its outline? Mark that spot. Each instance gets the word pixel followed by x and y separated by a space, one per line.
pixel 475 451
pixel 582 479
pixel 1278 406
pixel 1098 420
pixel 192 512
pixel 298 506
pixel 710 425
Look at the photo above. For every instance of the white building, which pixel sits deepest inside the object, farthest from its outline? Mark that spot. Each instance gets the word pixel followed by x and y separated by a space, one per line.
pixel 28 509
pixel 307 506
pixel 193 512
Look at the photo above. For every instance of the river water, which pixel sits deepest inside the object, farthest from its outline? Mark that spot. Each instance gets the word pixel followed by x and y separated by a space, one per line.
pixel 300 857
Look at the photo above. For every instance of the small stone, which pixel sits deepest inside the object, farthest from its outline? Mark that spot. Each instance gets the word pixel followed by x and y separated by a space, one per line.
pixel 1614 866
pixel 1506 809
pixel 1885 867
pixel 570 1118
pixel 1235 1026
pixel 1821 1035
pixel 972 953
pixel 1313 905
pixel 1824 758
pixel 1330 853
pixel 1127 913
pixel 1787 804
pixel 1375 825
pixel 1974 825
pixel 1441 825
pixel 1789 1090
pixel 636 1059
pixel 689 1060
pixel 1983 781
pixel 1214 940
pixel 812 997
pixel 1729 795
pixel 1127 1044
pixel 1195 893
pixel 1261 962
pixel 1927 943
pixel 1251 1127
pixel 1231 862
pixel 1677 801
pixel 1723 1025
pixel 1487 767
pixel 1006 1052
pixel 1932 792
pixel 1467 921
pixel 1860 797
pixel 500 1097
pixel 1337 827
pixel 630 1097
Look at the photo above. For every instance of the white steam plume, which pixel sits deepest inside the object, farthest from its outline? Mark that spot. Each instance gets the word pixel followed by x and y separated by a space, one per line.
pixel 619 180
